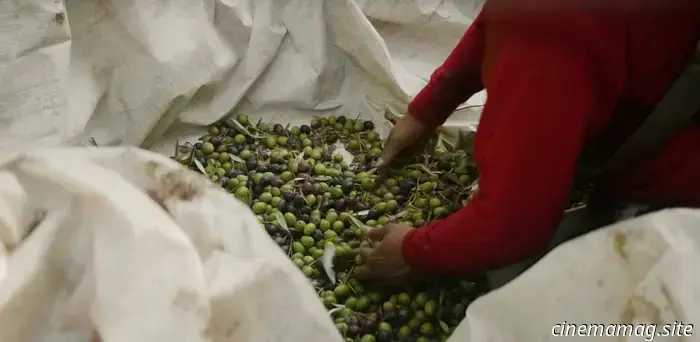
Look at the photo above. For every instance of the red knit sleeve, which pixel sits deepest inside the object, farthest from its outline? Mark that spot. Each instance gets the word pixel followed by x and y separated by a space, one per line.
pixel 546 82
pixel 455 81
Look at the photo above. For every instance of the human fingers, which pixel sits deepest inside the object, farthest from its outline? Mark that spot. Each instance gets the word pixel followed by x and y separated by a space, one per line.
pixel 376 233
pixel 364 272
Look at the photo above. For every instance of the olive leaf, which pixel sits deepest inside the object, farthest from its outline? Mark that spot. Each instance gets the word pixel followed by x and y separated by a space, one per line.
pixel 424 168
pixel 236 159
pixel 399 215
pixel 280 219
pixel 200 167
pixel 184 149
pixel 359 223
pixel 321 178
pixel 444 326
pixel 337 307
pixel 245 130
pixel 300 156
pixel 372 171
pixel 362 213
pixel 327 263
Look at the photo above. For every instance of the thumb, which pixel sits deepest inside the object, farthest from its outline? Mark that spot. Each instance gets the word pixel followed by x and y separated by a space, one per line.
pixel 387 155
pixel 392 147
pixel 363 272
pixel 377 233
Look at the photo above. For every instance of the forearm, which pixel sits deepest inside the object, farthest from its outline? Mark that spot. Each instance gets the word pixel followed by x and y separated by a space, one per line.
pixel 529 147
pixel 455 81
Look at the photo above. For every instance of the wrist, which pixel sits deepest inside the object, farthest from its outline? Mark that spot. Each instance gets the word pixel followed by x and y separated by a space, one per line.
pixel 414 249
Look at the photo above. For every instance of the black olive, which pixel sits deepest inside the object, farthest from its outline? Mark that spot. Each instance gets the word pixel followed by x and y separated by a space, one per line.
pixel 307 188
pixel 278 129
pixel 369 125
pixel 288 196
pixel 327 205
pixel 281 205
pixel 258 189
pixel 339 204
pixel 215 141
pixel 341 119
pixel 305 129
pixel 303 167
pixel 304 217
pixel 298 200
pixel 401 199
pixel 347 185
pixel 233 150
pixel 317 189
pixel 249 140
pixel 348 233
pixel 222 180
pixel 198 145
pixel 326 156
pixel 317 235
pixel 271 229
pixel 351 203
pixel 306 210
pixel 265 180
pixel 203 160
pixel 407 184
pixel 290 208
pixel 261 167
pixel 251 164
pixel 332 138
pixel 373 214
pixel 277 182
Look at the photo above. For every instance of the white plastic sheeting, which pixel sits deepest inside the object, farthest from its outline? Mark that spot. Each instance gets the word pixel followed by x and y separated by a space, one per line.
pixel 128 246
pixel 420 34
pixel 121 244
pixel 106 259
pixel 130 72
pixel 637 272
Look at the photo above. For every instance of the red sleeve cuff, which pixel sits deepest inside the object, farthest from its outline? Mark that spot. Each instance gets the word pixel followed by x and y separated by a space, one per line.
pixel 416 249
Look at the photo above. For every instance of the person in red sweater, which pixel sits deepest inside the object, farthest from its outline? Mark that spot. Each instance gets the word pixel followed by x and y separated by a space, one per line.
pixel 558 73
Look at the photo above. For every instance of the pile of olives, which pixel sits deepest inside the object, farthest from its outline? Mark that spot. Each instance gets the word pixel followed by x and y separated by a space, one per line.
pixel 314 187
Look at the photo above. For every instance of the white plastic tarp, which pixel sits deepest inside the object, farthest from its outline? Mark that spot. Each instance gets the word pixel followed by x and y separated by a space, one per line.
pixel 128 72
pixel 128 246
pixel 105 258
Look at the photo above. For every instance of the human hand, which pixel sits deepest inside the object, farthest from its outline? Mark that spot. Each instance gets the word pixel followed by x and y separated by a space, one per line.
pixel 408 134
pixel 385 261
